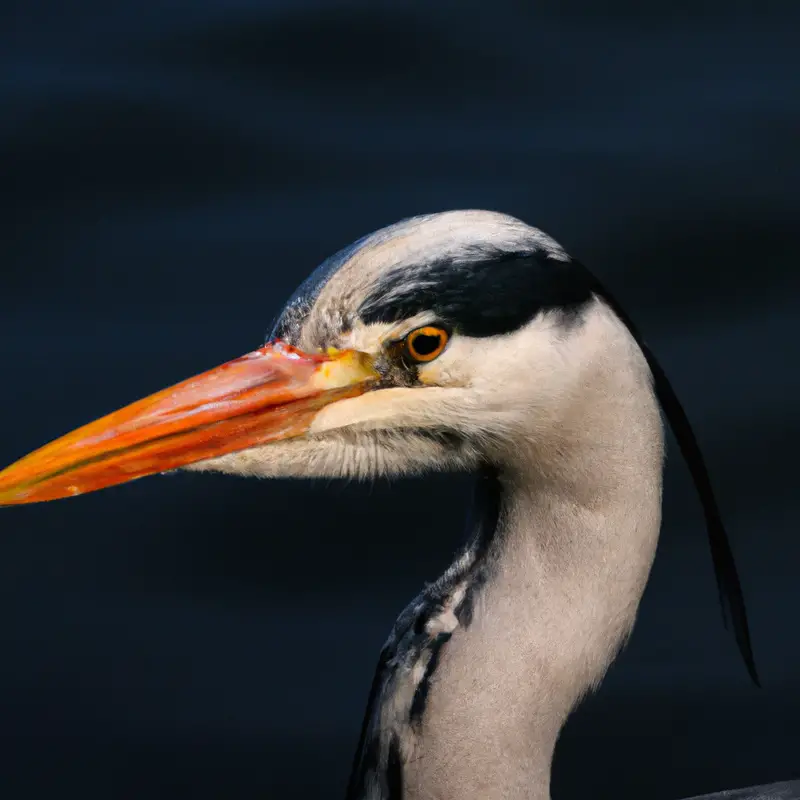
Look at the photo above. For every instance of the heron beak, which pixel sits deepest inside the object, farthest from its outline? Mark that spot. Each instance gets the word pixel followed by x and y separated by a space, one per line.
pixel 270 394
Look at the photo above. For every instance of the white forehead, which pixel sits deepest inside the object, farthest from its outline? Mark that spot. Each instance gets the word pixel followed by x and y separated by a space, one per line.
pixel 455 236
pixel 452 235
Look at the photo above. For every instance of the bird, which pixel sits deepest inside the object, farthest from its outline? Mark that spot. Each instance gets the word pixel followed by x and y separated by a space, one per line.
pixel 458 341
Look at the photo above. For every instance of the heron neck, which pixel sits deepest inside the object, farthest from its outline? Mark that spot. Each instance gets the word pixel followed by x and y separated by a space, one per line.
pixel 564 571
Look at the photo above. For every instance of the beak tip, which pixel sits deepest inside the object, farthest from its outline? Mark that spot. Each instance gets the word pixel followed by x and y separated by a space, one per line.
pixel 12 494
pixel 9 499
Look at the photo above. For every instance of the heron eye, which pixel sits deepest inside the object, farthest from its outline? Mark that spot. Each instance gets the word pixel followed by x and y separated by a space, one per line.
pixel 424 344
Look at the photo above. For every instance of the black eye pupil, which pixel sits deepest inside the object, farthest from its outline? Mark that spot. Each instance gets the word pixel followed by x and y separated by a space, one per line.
pixel 425 344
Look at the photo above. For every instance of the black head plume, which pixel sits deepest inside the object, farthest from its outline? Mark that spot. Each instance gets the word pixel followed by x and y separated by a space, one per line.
pixel 728 583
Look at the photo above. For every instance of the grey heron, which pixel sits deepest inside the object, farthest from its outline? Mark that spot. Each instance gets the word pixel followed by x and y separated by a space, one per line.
pixel 464 341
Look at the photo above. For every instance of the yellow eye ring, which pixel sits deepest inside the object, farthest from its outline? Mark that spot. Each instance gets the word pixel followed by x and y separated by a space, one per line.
pixel 425 344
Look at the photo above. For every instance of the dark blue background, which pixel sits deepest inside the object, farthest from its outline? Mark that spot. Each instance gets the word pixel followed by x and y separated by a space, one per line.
pixel 170 170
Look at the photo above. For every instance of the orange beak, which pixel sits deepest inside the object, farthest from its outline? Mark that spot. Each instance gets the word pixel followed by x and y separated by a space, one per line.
pixel 270 394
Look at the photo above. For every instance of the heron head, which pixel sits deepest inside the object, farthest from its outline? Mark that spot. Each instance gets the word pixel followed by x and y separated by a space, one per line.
pixel 440 342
